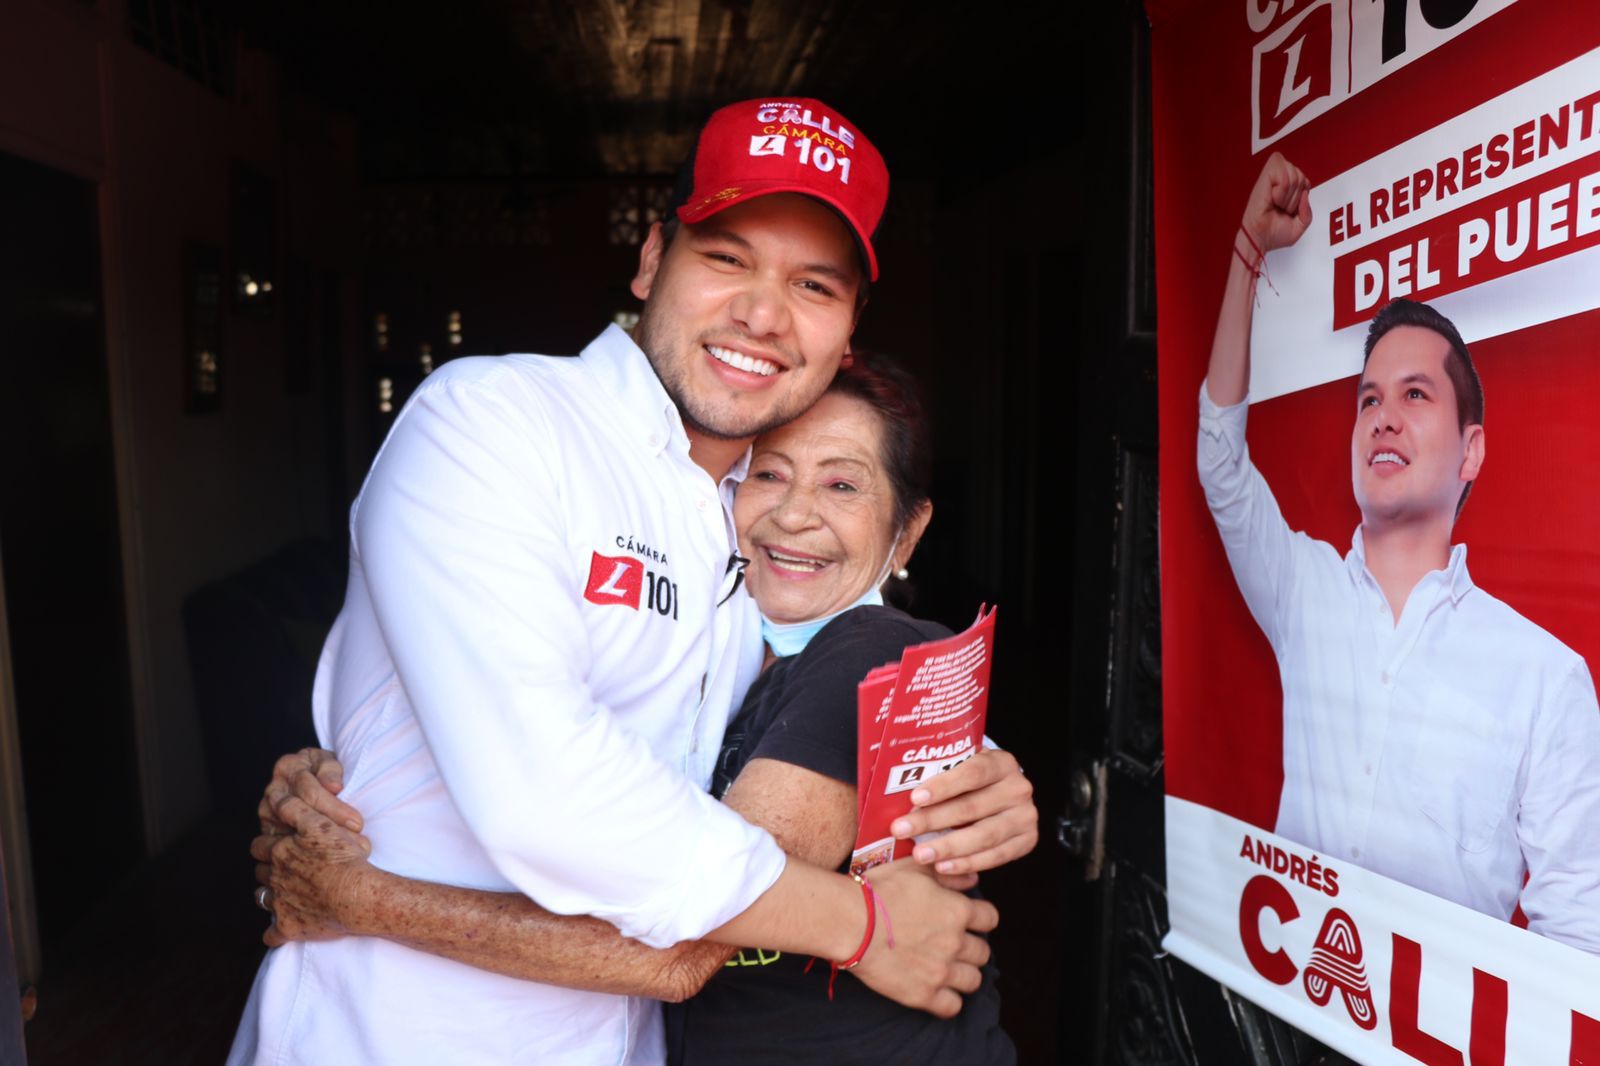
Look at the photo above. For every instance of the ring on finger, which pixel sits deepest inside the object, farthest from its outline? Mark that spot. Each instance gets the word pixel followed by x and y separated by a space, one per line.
pixel 264 898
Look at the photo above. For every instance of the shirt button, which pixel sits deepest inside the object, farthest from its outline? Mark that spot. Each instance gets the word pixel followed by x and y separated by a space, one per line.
pixel 1384 677
pixel 1367 769
pixel 655 440
pixel 1355 853
pixel 702 504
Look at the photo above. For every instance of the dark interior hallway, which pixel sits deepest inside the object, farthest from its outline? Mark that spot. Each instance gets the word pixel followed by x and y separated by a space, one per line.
pixel 279 218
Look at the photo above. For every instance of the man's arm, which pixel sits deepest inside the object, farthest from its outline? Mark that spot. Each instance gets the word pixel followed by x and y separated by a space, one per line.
pixel 1276 214
pixel 1558 818
pixel 323 886
pixel 462 541
pixel 1259 544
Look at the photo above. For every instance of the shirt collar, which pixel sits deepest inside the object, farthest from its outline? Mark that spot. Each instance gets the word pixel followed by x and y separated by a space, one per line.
pixel 1456 578
pixel 624 372
pixel 739 470
pixel 1456 573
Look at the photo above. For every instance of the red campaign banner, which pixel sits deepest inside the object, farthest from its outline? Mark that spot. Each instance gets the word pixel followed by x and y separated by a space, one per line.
pixel 1453 156
pixel 1541 219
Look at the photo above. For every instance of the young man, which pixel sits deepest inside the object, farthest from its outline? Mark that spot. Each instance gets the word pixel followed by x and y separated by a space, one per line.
pixel 543 638
pixel 1431 733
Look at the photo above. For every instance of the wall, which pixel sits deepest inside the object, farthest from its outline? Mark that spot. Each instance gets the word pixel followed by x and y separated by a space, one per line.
pixel 200 496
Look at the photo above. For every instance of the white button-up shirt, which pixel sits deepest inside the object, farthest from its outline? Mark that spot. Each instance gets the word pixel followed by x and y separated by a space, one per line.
pixel 1456 750
pixel 528 686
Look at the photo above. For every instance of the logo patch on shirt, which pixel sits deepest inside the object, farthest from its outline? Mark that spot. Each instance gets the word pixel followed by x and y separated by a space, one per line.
pixel 615 580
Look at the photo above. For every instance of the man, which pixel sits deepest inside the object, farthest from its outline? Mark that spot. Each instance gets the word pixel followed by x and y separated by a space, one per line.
pixel 543 637
pixel 1431 733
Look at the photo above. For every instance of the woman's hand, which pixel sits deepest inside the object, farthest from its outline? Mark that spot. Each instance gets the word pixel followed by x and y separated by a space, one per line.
pixel 936 958
pixel 312 867
pixel 313 775
pixel 313 875
pixel 987 804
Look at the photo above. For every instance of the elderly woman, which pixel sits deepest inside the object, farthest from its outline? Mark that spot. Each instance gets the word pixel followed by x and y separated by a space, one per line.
pixel 835 502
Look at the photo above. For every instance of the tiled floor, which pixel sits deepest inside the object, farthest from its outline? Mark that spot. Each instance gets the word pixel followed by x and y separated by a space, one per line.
pixel 157 975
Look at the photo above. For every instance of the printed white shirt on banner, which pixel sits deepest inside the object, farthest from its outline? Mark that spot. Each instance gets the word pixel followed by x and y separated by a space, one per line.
pixel 528 686
pixel 1456 750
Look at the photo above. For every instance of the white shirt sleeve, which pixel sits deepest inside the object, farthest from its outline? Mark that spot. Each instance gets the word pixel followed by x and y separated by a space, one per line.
pixel 1260 545
pixel 460 535
pixel 1558 820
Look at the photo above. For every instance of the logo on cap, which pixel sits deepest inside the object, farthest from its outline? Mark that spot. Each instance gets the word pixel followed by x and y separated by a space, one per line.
pixel 766 144
pixel 797 145
pixel 726 194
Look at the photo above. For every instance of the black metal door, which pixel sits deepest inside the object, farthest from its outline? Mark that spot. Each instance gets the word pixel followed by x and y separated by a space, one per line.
pixel 1149 1009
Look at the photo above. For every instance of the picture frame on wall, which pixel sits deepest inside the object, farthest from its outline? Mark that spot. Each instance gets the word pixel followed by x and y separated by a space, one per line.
pixel 253 241
pixel 202 328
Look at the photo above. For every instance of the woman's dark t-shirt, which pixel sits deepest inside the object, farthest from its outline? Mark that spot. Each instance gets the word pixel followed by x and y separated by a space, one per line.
pixel 762 1007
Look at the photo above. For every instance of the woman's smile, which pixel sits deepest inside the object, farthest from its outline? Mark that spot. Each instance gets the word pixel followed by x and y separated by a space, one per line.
pixel 792 563
pixel 816 514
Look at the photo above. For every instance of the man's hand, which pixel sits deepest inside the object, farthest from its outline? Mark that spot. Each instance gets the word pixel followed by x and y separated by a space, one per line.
pixel 314 776
pixel 1279 209
pixel 936 958
pixel 1277 212
pixel 312 870
pixel 988 805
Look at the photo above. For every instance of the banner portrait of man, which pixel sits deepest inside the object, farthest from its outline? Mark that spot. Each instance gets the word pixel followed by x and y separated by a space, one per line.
pixel 1383 764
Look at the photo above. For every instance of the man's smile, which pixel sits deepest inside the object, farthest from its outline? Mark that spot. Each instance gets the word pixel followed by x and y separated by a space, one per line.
pixel 740 361
pixel 1387 457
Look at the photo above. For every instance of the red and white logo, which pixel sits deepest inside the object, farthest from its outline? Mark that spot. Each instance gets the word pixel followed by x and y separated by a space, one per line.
pixel 615 580
pixel 1336 965
pixel 1311 57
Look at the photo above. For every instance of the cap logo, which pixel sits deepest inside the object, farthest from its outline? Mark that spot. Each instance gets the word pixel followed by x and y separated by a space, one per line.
pixel 812 149
pixel 788 145
pixel 766 144
pixel 795 115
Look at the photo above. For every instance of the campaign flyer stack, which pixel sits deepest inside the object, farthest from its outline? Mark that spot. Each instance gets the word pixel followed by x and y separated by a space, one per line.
pixel 916 719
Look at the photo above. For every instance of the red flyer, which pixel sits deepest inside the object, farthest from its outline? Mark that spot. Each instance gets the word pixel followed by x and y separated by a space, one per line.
pixel 917 719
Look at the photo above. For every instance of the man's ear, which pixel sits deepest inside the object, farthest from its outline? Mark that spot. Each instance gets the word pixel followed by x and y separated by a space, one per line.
pixel 1473 462
pixel 649 262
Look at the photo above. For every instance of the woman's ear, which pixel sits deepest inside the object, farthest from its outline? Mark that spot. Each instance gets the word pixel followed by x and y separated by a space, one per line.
pixel 915 525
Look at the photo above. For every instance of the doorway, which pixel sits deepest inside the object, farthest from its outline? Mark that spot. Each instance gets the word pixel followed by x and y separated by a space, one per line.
pixel 64 622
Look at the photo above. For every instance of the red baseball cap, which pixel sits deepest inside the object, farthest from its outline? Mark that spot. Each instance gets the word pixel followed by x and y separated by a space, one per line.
pixel 789 144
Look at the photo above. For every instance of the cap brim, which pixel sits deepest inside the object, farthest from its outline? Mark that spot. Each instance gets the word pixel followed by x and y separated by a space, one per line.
pixel 706 207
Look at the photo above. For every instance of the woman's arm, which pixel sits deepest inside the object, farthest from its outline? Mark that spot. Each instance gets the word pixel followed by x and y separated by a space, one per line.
pixel 986 804
pixel 322 886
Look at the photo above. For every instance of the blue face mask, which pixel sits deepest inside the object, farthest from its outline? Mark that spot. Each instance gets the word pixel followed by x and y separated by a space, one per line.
pixel 790 638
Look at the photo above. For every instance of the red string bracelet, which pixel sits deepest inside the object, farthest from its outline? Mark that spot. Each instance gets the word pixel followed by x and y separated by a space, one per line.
pixel 1258 269
pixel 873 903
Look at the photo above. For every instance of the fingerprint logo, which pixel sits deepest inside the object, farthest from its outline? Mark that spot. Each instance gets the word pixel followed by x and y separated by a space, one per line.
pixel 1336 964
